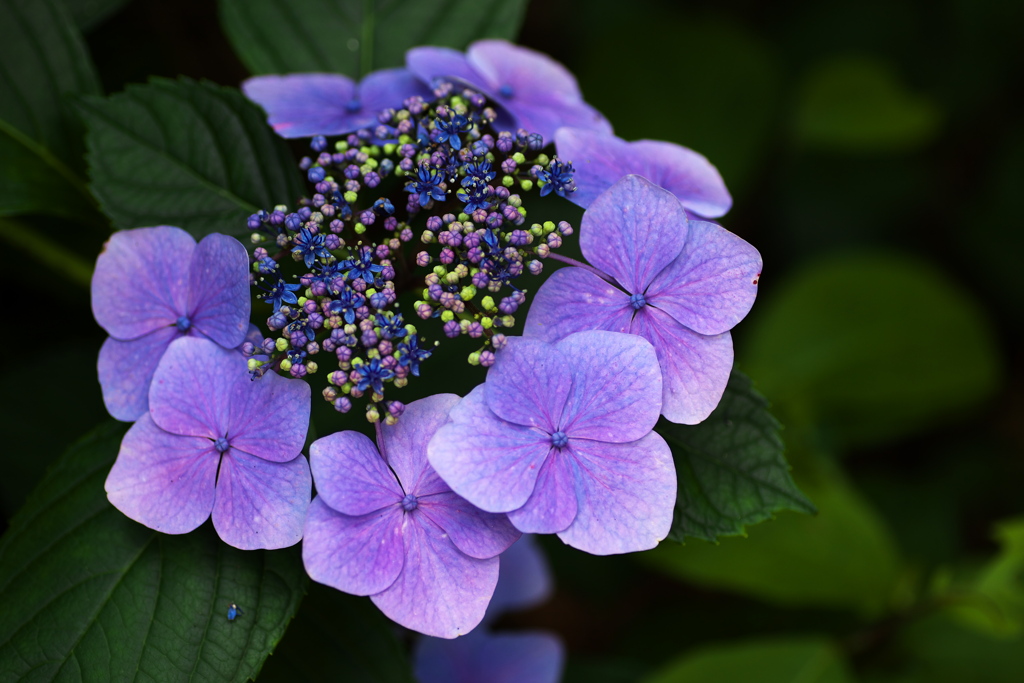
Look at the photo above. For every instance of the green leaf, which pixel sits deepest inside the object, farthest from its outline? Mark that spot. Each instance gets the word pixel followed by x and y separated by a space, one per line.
pixel 183 153
pixel 355 37
pixel 730 467
pixel 90 13
pixel 776 660
pixel 338 637
pixel 42 61
pixel 856 104
pixel 870 347
pixel 994 601
pixel 90 595
pixel 841 558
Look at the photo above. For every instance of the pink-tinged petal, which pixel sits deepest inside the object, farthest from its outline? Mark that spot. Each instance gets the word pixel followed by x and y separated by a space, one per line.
pixel 529 384
pixel 632 231
pixel 574 300
pixel 477 533
pixel 405 443
pixel 304 105
pixel 429 63
pixel 441 591
pixel 269 417
pixel 553 505
pixel 351 476
pixel 162 480
pixel 218 304
pixel 388 88
pixel 141 280
pixel 524 581
pixel 599 160
pixel 616 386
pixel 627 493
pixel 190 388
pixel 490 462
pixel 361 555
pixel 694 368
pixel 541 93
pixel 712 284
pixel 521 657
pixel 126 370
pixel 261 504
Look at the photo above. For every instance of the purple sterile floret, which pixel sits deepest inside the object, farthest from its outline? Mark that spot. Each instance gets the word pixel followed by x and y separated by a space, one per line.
pixel 385 525
pixel 601 159
pixel 539 93
pixel 304 105
pixel 154 285
pixel 560 437
pixel 215 442
pixel 680 284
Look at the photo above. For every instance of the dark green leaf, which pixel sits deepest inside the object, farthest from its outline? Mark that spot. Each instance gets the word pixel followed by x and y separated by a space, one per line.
pixel 42 61
pixel 778 660
pixel 338 637
pixel 354 37
pixel 89 13
pixel 183 153
pixel 90 595
pixel 870 347
pixel 730 467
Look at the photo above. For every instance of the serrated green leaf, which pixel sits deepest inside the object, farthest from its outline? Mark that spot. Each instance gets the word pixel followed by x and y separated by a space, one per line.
pixel 731 467
pixel 89 13
pixel 183 153
pixel 869 347
pixel 338 637
pixel 776 660
pixel 354 37
pixel 90 595
pixel 42 61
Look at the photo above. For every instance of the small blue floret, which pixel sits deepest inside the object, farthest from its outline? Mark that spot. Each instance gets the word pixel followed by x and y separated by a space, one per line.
pixel 559 439
pixel 183 323
pixel 637 301
pixel 409 502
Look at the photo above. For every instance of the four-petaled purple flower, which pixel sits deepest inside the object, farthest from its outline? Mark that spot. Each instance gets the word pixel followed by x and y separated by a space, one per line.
pixel 539 93
pixel 385 525
pixel 304 105
pixel 560 437
pixel 682 285
pixel 601 159
pixel 153 285
pixel 216 442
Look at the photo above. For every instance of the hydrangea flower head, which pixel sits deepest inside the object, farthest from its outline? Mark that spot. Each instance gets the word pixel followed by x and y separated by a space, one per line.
pixel 153 285
pixel 385 525
pixel 215 442
pixel 304 105
pixel 559 437
pixel 680 284
pixel 602 158
pixel 539 93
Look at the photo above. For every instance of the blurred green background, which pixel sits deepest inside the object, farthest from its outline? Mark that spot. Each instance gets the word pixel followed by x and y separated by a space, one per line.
pixel 875 153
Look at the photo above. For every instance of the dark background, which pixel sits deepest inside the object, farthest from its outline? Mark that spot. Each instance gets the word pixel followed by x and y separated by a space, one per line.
pixel 866 144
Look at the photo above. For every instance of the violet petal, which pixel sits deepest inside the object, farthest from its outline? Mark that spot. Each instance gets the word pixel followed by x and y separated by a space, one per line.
pixel 261 504
pixel 163 480
pixel 528 385
pixel 405 443
pixel 126 370
pixel 304 105
pixel 218 304
pixel 477 533
pixel 350 474
pixel 361 554
pixel 553 505
pixel 627 494
pixel 574 300
pixel 532 656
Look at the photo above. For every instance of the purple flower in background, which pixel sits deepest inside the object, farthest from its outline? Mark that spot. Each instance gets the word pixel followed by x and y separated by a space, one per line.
pixel 385 525
pixel 682 285
pixel 539 93
pixel 601 159
pixel 216 442
pixel 534 656
pixel 153 285
pixel 304 105
pixel 559 437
